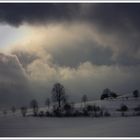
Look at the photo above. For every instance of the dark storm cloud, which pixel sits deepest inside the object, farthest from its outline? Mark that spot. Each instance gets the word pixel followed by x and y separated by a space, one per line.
pixel 108 15
pixel 93 47
pixel 114 15
pixel 118 16
pixel 17 14
pixel 87 52
pixel 119 21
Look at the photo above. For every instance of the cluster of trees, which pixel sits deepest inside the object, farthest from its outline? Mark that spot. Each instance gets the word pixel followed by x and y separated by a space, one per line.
pixel 108 94
pixel 58 97
pixel 60 106
pixel 124 108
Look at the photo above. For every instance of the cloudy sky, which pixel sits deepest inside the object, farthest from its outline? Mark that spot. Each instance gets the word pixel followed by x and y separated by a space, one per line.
pixel 86 47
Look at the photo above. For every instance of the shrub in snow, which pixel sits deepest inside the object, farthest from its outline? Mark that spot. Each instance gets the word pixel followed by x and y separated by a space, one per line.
pixel 5 112
pixel 68 109
pixel 123 108
pixel 137 110
pixel 23 111
pixel 107 114
pixel 41 114
pixel 57 112
pixel 77 113
pixel 136 93
pixel 93 110
pixel 96 110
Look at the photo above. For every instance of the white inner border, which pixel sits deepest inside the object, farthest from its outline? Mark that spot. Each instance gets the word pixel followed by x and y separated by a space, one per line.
pixel 68 1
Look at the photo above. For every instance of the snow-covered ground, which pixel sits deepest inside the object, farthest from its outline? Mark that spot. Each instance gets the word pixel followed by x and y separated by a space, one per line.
pixel 115 125
pixel 111 105
pixel 93 127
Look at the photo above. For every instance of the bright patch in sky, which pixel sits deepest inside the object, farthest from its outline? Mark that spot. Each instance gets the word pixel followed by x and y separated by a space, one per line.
pixel 10 35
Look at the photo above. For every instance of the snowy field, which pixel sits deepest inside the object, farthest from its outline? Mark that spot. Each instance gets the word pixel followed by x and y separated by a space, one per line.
pixel 93 127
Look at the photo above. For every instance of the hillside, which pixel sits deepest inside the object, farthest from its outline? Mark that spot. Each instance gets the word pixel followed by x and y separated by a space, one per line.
pixel 113 126
pixel 109 105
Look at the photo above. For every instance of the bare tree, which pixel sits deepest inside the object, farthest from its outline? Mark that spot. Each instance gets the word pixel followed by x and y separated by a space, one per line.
pixel 47 103
pixel 34 105
pixel 84 99
pixel 13 109
pixel 58 94
pixel 23 111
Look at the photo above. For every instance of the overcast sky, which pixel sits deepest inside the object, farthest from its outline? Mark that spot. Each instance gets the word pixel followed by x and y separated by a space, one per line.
pixel 86 47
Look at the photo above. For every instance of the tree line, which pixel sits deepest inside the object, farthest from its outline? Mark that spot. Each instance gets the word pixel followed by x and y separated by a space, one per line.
pixel 59 105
